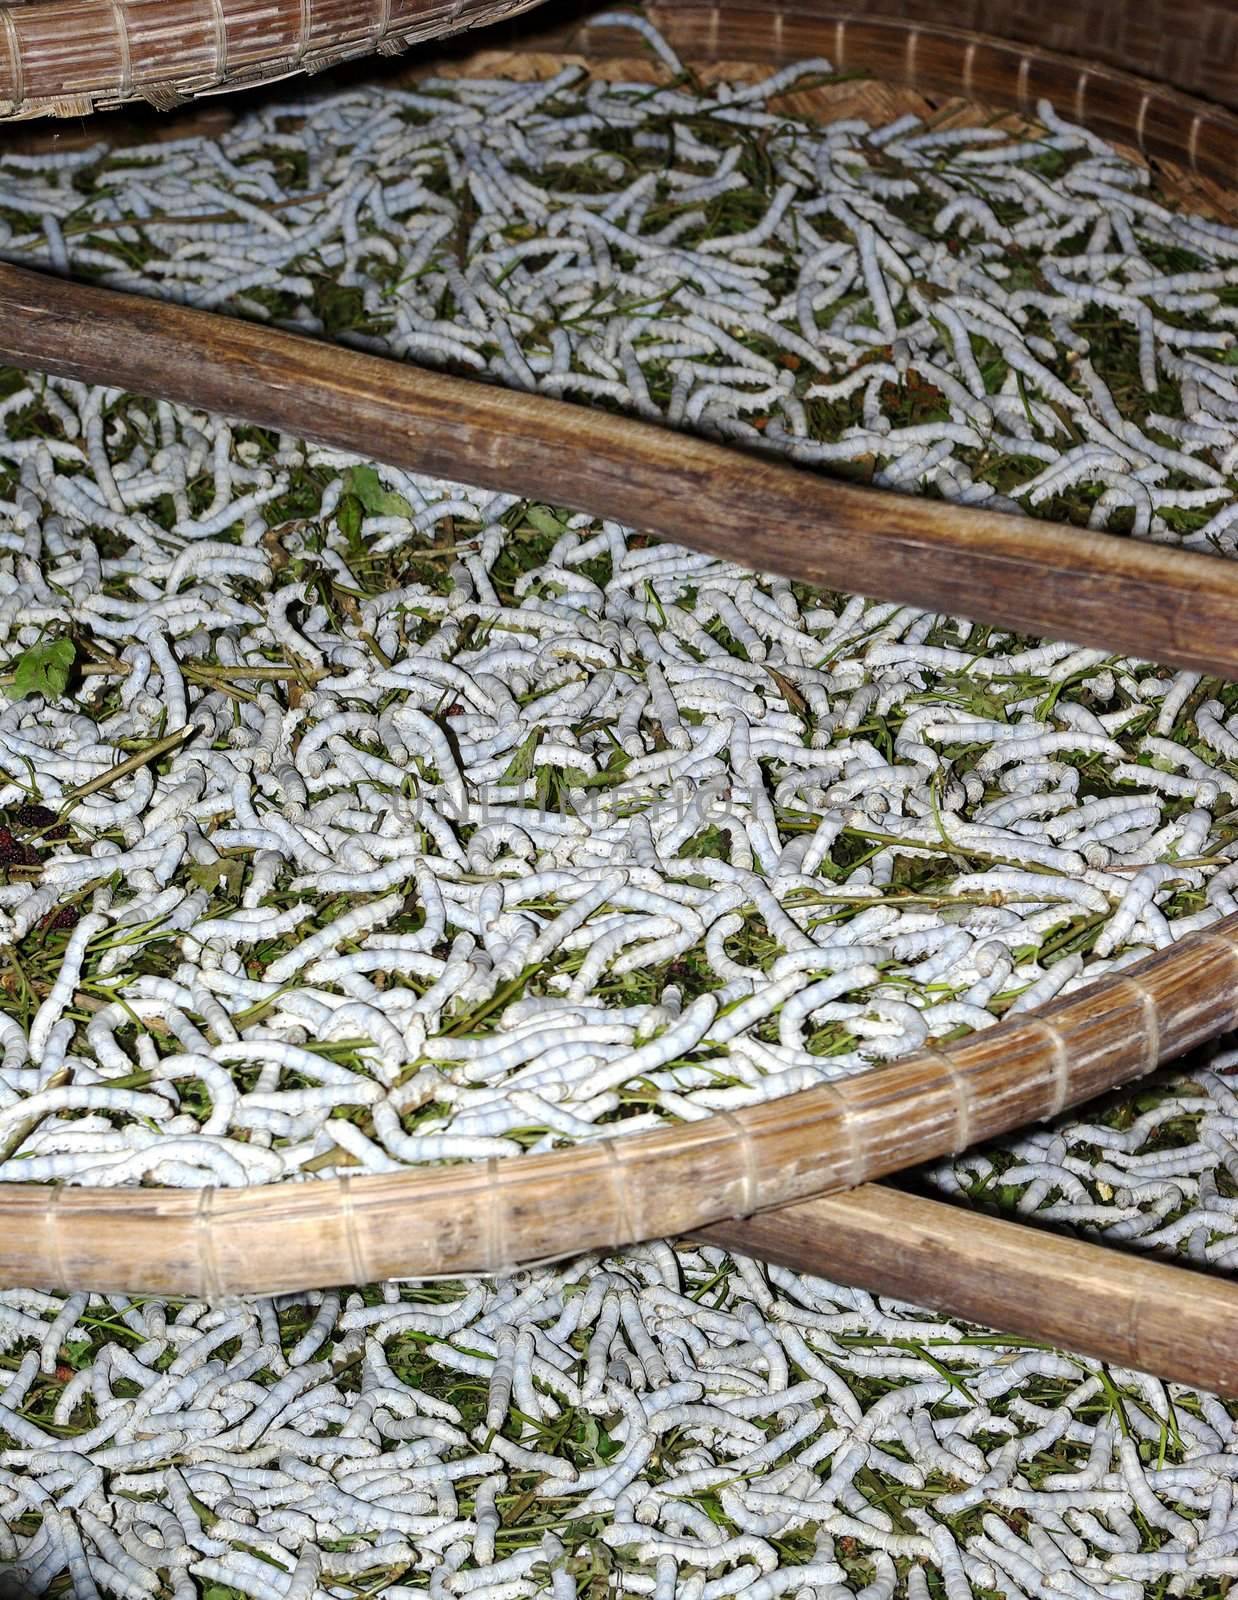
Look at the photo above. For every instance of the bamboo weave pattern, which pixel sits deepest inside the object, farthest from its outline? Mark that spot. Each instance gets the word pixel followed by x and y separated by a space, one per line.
pixel 69 57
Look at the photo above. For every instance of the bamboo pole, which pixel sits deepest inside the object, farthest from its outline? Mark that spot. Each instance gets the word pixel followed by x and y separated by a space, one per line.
pixel 493 1216
pixel 1116 1306
pixel 1125 595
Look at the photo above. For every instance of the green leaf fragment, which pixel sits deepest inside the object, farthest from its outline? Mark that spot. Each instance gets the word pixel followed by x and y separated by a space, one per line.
pixel 520 766
pixel 545 521
pixel 365 484
pixel 227 875
pixel 349 517
pixel 43 669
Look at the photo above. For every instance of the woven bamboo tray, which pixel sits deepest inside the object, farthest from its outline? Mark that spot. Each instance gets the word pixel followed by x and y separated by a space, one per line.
pixel 66 58
pixel 696 1177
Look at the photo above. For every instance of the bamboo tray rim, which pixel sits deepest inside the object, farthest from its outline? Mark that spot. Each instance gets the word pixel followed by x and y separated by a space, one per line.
pixel 496 1215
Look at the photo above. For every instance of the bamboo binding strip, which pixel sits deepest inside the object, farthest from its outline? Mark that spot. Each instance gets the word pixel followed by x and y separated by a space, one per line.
pixel 493 1216
pixel 1116 1306
pixel 1044 578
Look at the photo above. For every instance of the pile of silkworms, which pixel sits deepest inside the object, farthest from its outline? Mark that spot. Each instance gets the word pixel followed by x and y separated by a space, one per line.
pixel 1001 319
pixel 389 822
pixel 350 819
pixel 553 834
pixel 1157 1168
pixel 674 1424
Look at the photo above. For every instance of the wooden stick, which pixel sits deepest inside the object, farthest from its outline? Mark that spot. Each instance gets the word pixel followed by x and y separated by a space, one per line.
pixel 492 1216
pixel 1124 595
pixel 122 769
pixel 1118 1306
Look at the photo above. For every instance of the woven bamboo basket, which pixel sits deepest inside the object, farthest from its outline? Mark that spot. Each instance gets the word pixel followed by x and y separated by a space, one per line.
pixel 69 57
pixel 699 1177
